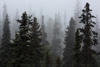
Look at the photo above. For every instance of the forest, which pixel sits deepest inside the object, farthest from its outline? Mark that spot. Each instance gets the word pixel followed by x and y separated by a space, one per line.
pixel 30 41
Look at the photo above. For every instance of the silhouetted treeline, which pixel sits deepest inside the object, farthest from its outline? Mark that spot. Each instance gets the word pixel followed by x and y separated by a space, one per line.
pixel 31 42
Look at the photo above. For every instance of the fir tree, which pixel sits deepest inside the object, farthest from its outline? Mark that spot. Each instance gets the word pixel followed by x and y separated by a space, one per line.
pixel 4 49
pixel 49 29
pixel 20 48
pixel 44 34
pixel 69 44
pixel 77 49
pixel 36 43
pixel 56 42
pixel 89 38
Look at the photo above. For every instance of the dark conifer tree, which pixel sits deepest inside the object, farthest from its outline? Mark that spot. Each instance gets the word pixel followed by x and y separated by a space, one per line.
pixel 69 44
pixel 89 38
pixel 4 53
pixel 20 48
pixel 36 42
pixel 77 49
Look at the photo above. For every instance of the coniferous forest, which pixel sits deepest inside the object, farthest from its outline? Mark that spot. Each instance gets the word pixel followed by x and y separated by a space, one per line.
pixel 27 40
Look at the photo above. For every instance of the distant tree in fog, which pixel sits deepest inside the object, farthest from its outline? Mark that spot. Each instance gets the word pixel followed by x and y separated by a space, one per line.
pixel 44 34
pixel 49 29
pixel 56 40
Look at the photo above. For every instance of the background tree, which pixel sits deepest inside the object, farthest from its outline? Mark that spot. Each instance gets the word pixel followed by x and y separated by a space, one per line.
pixel 69 44
pixel 56 42
pixel 49 29
pixel 4 53
pixel 89 38
pixel 44 34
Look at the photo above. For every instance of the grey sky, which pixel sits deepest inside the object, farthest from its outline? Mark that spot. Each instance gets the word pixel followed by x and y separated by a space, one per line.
pixel 50 7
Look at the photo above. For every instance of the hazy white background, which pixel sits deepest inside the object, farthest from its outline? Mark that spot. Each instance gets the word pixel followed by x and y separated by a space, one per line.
pixel 48 7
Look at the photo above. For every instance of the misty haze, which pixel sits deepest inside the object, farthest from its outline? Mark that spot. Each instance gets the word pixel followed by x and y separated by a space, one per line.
pixel 49 33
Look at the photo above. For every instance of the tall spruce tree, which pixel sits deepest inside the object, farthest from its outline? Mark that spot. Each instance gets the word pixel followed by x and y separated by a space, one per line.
pixel 49 29
pixel 20 48
pixel 36 42
pixel 56 42
pixel 4 49
pixel 77 49
pixel 89 38
pixel 69 44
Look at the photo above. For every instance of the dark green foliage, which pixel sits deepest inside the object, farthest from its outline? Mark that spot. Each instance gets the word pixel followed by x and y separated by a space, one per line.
pixel 4 49
pixel 58 62
pixel 36 45
pixel 69 44
pixel 21 45
pixel 89 38
pixel 77 49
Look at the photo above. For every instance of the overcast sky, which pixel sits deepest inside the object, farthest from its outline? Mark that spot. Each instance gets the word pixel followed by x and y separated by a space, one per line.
pixel 49 7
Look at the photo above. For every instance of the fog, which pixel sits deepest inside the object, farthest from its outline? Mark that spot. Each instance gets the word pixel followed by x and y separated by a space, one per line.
pixel 48 7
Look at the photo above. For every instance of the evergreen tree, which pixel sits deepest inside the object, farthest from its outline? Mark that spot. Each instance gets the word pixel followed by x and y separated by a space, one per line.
pixel 4 17
pixel 44 34
pixel 56 42
pixel 36 43
pixel 69 44
pixel 4 49
pixel 89 38
pixel 4 13
pixel 49 29
pixel 77 49
pixel 20 48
